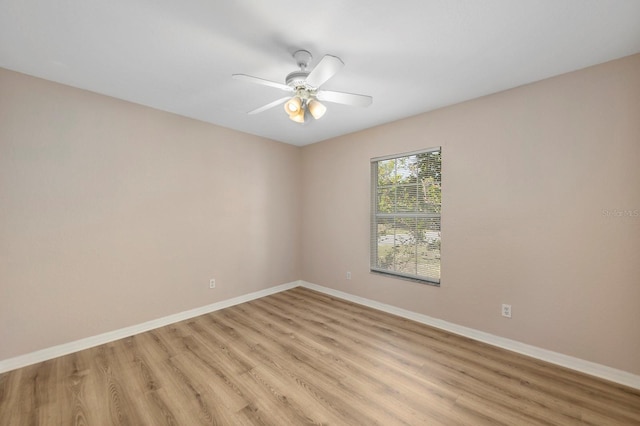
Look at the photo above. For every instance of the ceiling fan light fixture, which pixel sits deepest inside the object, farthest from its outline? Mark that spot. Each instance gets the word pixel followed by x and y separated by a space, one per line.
pixel 317 109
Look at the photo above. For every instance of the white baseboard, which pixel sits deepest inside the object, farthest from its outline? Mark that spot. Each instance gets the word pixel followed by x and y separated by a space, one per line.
pixel 89 342
pixel 587 367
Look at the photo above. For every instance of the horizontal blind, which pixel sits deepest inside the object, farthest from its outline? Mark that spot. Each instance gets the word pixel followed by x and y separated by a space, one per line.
pixel 406 201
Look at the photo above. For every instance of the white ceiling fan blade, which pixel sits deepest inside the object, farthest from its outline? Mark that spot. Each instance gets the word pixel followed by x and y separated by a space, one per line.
pixel 263 82
pixel 344 98
pixel 269 105
pixel 328 66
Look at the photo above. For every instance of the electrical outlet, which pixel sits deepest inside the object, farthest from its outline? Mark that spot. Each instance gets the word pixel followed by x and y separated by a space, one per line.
pixel 506 310
pixel 212 283
pixel 348 275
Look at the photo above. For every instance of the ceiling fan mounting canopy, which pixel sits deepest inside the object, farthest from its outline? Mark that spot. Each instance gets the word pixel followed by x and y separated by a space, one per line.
pixel 306 88
pixel 303 58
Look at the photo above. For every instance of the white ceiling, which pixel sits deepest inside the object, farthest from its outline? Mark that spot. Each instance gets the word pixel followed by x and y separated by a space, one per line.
pixel 412 56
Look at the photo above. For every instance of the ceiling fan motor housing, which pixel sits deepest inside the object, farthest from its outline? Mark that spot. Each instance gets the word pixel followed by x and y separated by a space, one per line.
pixel 297 79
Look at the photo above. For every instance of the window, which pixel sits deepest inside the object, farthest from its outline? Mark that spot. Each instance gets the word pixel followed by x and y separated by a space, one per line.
pixel 406 200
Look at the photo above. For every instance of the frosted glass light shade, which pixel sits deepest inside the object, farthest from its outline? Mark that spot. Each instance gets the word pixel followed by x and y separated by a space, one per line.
pixel 293 105
pixel 316 109
pixel 298 117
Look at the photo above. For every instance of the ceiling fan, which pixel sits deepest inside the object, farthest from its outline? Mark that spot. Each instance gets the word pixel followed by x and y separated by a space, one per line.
pixel 304 87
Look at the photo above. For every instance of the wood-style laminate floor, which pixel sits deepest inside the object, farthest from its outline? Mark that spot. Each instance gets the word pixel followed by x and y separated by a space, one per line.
pixel 302 357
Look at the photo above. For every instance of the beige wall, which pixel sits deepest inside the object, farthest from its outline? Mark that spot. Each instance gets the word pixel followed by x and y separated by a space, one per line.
pixel 527 174
pixel 112 214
